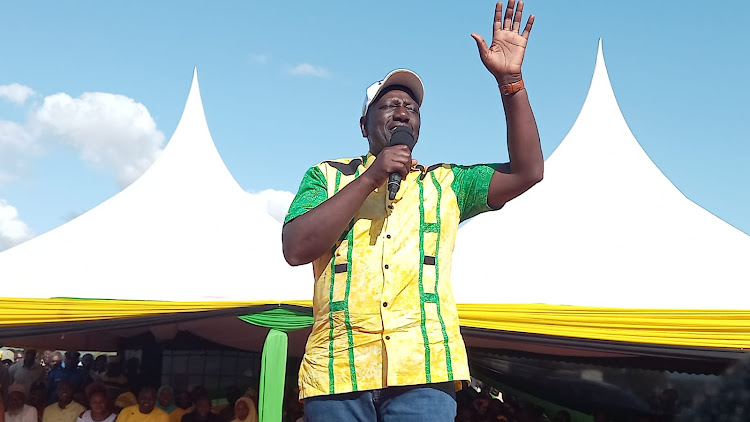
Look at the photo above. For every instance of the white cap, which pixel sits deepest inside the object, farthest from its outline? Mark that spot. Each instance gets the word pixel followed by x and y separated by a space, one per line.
pixel 402 77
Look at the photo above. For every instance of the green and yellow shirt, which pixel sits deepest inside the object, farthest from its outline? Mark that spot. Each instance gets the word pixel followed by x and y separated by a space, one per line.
pixel 383 305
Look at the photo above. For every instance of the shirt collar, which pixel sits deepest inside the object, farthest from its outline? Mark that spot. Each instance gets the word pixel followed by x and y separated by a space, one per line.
pixel 368 160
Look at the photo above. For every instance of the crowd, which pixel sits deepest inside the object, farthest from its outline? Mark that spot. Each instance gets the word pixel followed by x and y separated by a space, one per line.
pixel 71 388
pixel 52 387
pixel 483 407
pixel 74 388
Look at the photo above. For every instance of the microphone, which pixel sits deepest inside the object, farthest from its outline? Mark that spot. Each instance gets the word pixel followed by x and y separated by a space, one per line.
pixel 403 135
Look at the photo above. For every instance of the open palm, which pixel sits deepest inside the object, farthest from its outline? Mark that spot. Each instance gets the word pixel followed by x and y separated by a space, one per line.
pixel 504 57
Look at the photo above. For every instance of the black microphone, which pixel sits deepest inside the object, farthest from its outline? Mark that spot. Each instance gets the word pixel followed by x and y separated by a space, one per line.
pixel 403 135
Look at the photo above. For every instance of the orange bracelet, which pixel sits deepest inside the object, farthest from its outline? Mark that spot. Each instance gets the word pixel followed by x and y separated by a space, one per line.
pixel 511 88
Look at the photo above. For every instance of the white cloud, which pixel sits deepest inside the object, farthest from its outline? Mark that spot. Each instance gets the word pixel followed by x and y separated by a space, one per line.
pixel 276 202
pixel 16 143
pixel 12 229
pixel 16 93
pixel 110 131
pixel 14 136
pixel 307 69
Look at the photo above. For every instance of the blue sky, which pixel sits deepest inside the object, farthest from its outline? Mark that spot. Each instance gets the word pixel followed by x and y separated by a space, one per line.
pixel 283 82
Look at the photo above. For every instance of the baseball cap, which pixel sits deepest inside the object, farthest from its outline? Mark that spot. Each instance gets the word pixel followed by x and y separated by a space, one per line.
pixel 403 77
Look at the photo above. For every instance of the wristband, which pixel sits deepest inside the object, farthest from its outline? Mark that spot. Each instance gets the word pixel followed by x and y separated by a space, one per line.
pixel 511 88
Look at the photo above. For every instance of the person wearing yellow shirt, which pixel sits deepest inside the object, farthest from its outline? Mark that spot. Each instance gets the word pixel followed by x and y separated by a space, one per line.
pixel 65 409
pixel 379 230
pixel 145 410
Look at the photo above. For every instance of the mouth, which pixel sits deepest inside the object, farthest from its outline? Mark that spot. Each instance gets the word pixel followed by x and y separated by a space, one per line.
pixel 393 129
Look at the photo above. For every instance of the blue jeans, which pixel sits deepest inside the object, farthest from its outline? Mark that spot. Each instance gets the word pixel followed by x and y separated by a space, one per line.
pixel 412 403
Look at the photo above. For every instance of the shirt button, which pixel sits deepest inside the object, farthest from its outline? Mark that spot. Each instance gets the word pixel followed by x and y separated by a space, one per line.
pixel 387 337
pixel 390 207
pixel 386 266
pixel 385 304
pixel 388 236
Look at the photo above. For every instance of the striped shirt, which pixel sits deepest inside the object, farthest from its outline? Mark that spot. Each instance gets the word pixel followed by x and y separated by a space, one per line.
pixel 383 304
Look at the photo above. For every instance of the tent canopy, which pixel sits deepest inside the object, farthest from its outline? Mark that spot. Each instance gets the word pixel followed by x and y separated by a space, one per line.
pixel 605 228
pixel 184 231
pixel 565 270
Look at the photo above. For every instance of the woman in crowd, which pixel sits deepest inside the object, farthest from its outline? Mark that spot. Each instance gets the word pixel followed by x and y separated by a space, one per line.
pixel 184 402
pixel 245 410
pixel 145 410
pixel 201 412
pixel 165 399
pixel 100 411
pixel 17 410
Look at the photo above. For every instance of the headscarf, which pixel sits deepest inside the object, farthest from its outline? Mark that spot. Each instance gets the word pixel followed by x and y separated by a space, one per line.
pixel 252 414
pixel 171 406
pixel 126 399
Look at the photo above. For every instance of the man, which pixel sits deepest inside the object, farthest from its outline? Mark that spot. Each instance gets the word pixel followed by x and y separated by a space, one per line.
pixel 27 371
pixel 18 410
pixel 55 361
pixel 70 373
pixel 386 343
pixel 145 410
pixel 87 369
pixel 65 409
pixel 4 381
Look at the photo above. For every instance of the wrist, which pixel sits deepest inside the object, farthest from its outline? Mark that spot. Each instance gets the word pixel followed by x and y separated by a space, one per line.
pixel 368 183
pixel 511 88
pixel 508 78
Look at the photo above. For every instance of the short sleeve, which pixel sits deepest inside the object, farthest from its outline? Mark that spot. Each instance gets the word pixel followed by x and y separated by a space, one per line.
pixel 312 192
pixel 471 185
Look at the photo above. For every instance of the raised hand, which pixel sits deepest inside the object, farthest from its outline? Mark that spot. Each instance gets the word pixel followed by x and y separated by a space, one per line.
pixel 504 57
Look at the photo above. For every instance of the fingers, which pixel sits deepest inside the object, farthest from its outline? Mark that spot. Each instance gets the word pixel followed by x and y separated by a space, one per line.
pixel 517 17
pixel 527 29
pixel 497 22
pixel 508 19
pixel 481 45
pixel 397 159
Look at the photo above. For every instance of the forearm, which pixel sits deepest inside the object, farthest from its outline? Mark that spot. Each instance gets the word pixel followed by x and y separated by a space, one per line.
pixel 524 149
pixel 310 235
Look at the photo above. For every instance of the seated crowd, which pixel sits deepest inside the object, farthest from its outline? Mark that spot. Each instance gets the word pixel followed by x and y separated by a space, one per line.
pixel 95 390
pixel 71 388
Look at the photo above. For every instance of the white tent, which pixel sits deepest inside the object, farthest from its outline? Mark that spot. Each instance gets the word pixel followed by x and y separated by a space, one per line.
pixel 604 228
pixel 184 231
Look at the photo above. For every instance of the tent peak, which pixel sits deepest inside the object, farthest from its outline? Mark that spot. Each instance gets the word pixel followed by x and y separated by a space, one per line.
pixel 190 156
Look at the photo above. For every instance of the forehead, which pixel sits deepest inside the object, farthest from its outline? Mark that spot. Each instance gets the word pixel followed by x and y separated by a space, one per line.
pixel 147 392
pixel 396 92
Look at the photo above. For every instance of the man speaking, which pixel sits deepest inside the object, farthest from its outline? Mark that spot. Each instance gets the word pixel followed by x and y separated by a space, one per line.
pixel 386 344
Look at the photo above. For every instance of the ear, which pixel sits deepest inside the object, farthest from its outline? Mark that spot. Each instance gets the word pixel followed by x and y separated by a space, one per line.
pixel 363 126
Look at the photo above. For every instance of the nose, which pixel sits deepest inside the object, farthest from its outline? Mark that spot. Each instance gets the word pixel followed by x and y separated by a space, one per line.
pixel 401 113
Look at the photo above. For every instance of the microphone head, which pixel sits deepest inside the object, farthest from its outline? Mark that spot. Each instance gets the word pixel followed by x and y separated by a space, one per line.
pixel 403 135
